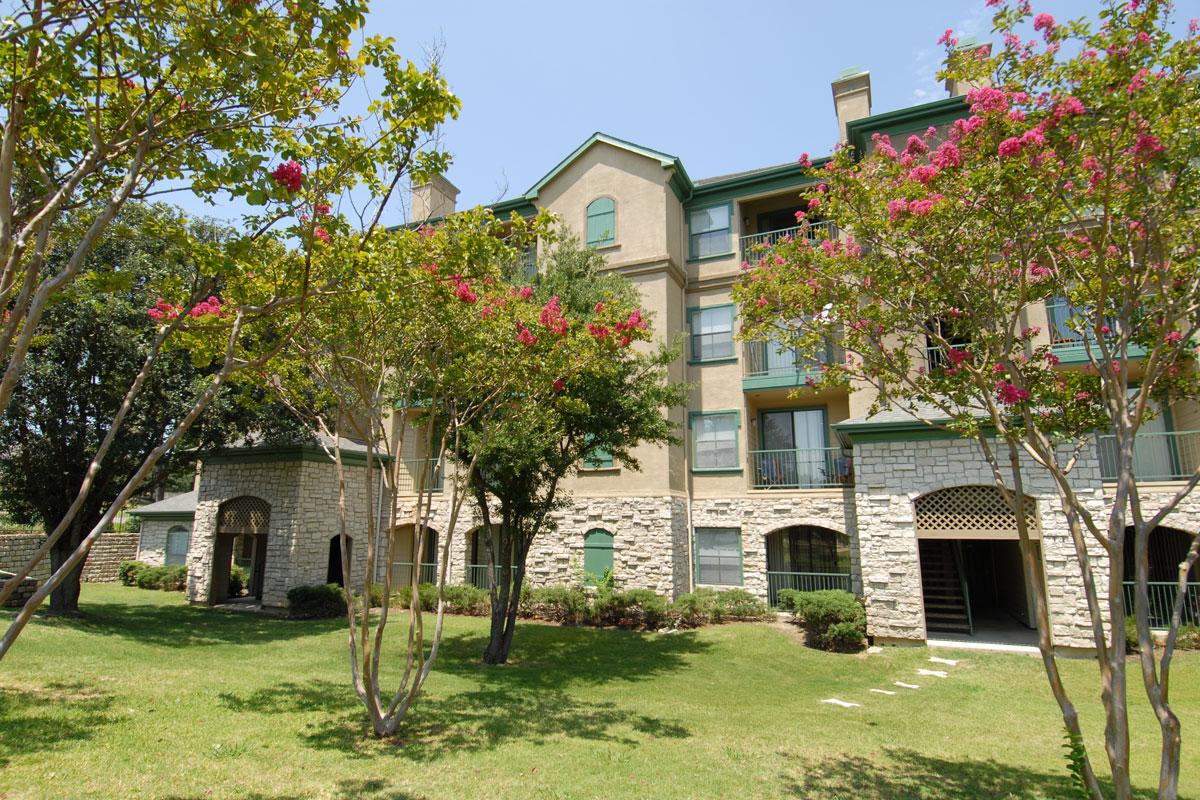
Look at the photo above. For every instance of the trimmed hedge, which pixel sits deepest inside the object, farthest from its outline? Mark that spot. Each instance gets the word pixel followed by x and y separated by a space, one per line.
pixel 833 619
pixel 168 579
pixel 239 579
pixel 127 572
pixel 316 602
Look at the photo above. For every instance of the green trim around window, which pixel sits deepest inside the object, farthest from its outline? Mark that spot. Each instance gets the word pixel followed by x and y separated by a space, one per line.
pixel 731 412
pixel 824 409
pixel 687 218
pixel 696 555
pixel 691 312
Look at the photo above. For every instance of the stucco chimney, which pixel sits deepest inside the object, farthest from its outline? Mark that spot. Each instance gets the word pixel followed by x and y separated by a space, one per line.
pixel 967 48
pixel 851 97
pixel 433 198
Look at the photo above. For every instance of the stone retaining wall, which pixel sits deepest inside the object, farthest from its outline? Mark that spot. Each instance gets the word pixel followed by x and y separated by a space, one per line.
pixel 23 593
pixel 108 552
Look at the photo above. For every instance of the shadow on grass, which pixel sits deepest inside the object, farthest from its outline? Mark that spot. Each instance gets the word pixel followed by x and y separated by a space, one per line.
pixel 35 719
pixel 909 774
pixel 177 626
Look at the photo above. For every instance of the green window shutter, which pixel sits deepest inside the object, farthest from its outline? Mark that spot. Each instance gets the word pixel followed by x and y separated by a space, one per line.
pixel 601 222
pixel 599 458
pixel 597 552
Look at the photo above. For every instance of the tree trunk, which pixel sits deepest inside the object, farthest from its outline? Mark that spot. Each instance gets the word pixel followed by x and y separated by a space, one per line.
pixel 505 594
pixel 65 598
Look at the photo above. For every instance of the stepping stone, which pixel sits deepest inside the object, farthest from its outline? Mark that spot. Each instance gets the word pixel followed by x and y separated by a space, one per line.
pixel 833 701
pixel 882 691
pixel 936 673
pixel 953 662
pixel 904 685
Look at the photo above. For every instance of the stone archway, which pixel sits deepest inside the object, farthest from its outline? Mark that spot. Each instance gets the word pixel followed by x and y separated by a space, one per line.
pixel 404 555
pixel 806 558
pixel 972 575
pixel 242 527
pixel 1167 547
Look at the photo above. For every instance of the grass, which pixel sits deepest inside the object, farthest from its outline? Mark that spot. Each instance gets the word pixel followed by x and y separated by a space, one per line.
pixel 159 699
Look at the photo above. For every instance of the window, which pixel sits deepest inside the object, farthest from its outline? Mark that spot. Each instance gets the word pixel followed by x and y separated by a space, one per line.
pixel 529 262
pixel 712 333
pixel 177 545
pixel 708 231
pixel 598 458
pixel 719 556
pixel 935 355
pixel 715 441
pixel 601 222
pixel 597 554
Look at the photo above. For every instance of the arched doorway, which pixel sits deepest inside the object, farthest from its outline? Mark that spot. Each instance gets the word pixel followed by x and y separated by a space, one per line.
pixel 333 572
pixel 242 525
pixel 806 558
pixel 403 561
pixel 1167 548
pixel 477 561
pixel 972 575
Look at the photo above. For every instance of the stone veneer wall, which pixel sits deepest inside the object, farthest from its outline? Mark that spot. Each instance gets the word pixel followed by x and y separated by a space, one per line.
pixel 890 475
pixel 303 495
pixel 16 548
pixel 152 541
pixel 760 515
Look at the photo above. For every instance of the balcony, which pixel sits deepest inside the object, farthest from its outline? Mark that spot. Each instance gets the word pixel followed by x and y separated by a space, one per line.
pixel 1157 456
pixel 815 468
pixel 406 481
pixel 804 582
pixel 1070 346
pixel 1162 602
pixel 752 244
pixel 769 365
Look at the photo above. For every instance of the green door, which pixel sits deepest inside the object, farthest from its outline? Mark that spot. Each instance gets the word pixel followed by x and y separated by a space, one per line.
pixel 597 553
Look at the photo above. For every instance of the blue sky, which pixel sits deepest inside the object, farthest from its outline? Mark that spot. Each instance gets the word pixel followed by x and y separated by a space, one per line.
pixel 722 85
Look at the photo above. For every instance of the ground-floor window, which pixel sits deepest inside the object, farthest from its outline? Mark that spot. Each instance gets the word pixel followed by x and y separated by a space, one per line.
pixel 177 545
pixel 719 556
pixel 597 554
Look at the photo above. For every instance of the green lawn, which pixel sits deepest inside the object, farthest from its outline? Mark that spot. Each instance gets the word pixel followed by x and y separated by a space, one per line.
pixel 159 699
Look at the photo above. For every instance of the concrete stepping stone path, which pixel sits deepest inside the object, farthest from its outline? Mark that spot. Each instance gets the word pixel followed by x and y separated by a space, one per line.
pixel 833 701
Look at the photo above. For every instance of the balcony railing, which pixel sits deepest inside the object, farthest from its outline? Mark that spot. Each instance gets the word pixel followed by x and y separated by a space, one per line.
pixel 815 468
pixel 813 232
pixel 477 574
pixel 770 359
pixel 804 582
pixel 402 572
pixel 1058 313
pixel 1162 603
pixel 406 481
pixel 1158 456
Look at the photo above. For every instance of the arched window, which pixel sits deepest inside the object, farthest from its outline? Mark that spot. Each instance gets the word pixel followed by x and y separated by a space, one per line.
pixel 597 553
pixel 178 538
pixel 601 222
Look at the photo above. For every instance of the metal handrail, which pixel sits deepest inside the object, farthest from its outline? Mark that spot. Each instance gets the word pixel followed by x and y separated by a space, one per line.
pixel 804 468
pixel 813 232
pixel 1157 455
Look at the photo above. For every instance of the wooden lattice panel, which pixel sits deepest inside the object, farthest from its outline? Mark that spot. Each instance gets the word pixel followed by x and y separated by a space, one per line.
pixel 244 515
pixel 970 511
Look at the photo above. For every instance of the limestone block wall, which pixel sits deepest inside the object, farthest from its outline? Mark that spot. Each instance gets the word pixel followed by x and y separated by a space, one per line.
pixel 106 556
pixel 760 515
pixel 152 541
pixel 319 521
pixel 107 553
pixel 890 475
pixel 17 547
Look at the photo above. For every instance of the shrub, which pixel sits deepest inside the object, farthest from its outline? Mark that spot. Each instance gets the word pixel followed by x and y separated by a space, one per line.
pixel 738 604
pixel 467 599
pixel 239 579
pixel 1131 637
pixel 641 608
pixel 833 619
pixel 127 572
pixel 316 602
pixel 426 593
pixel 787 599
pixel 169 579
pixel 693 609
pixel 567 604
pixel 1188 638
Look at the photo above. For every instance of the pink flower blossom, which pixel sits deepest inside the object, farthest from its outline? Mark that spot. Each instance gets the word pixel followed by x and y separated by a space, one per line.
pixel 290 175
pixel 946 156
pixel 205 307
pixel 923 174
pixel 1009 147
pixel 1052 359
pixel 985 99
pixel 896 208
pixel 598 308
pixel 321 209
pixel 800 215
pixel 1174 337
pixel 559 384
pixel 804 161
pixel 1147 146
pixel 957 355
pixel 1009 393
pixel 814 204
pixel 524 336
pixel 321 234
pixel 1044 23
pixel 463 292
pixel 1138 81
pixel 947 38
pixel 916 146
pixel 526 292
pixel 883 146
pixel 919 208
pixel 1033 137
pixel 1083 396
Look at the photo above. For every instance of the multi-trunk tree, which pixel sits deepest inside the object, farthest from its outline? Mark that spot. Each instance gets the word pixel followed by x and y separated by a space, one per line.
pixel 111 102
pixel 1070 180
pixel 615 398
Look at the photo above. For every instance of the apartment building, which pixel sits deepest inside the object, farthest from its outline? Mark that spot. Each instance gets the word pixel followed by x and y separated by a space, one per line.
pixel 777 485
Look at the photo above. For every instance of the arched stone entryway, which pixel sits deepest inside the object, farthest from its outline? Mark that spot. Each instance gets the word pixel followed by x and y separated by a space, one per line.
pixel 405 552
pixel 806 558
pixel 334 572
pixel 242 525
pixel 972 575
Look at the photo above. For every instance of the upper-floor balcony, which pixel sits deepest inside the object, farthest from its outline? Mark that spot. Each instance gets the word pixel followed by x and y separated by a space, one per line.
pixel 1157 455
pixel 409 478
pixel 751 247
pixel 770 365
pixel 801 468
pixel 1070 345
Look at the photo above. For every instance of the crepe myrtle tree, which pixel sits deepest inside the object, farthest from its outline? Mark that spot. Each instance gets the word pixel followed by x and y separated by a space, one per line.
pixel 425 340
pixel 1071 177
pixel 115 101
pixel 612 398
